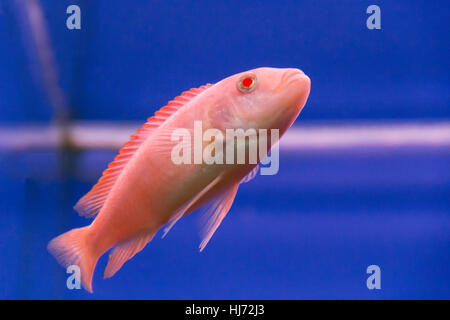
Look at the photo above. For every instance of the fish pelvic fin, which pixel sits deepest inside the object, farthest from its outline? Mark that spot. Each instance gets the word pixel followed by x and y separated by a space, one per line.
pixel 71 248
pixel 188 206
pixel 216 212
pixel 91 203
pixel 215 209
pixel 124 251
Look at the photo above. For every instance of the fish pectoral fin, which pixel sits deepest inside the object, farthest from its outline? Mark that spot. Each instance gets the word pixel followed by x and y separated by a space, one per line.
pixel 124 251
pixel 217 210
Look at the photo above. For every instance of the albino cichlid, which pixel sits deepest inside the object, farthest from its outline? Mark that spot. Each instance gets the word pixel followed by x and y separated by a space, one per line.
pixel 144 189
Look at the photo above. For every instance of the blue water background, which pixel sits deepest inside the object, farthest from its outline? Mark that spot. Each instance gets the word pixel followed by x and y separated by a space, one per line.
pixel 309 231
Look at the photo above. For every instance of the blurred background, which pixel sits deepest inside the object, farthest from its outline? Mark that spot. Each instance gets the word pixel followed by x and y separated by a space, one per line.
pixel 364 173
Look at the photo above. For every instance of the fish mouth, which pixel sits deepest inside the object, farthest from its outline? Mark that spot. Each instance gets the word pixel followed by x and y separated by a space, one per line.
pixel 296 89
pixel 295 76
pixel 290 76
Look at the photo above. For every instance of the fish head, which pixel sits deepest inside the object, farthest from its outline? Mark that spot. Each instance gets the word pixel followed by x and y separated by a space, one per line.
pixel 265 98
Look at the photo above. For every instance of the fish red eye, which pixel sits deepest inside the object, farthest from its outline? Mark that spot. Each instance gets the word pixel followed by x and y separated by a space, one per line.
pixel 246 83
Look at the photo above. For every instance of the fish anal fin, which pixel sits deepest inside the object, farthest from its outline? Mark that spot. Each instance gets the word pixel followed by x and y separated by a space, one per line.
pixel 91 203
pixel 124 251
pixel 216 212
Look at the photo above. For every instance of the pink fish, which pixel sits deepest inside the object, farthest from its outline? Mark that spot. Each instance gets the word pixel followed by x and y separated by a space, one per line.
pixel 144 189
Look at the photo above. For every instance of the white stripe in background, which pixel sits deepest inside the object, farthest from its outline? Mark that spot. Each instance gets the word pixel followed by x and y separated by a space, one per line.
pixel 367 134
pixel 104 135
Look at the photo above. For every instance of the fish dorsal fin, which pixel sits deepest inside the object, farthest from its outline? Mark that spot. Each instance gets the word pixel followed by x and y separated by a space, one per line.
pixel 90 204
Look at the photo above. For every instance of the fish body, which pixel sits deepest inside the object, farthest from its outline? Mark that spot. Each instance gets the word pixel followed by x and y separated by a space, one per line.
pixel 144 189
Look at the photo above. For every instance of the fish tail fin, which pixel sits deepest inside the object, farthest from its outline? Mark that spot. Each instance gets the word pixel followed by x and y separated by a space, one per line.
pixel 71 248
